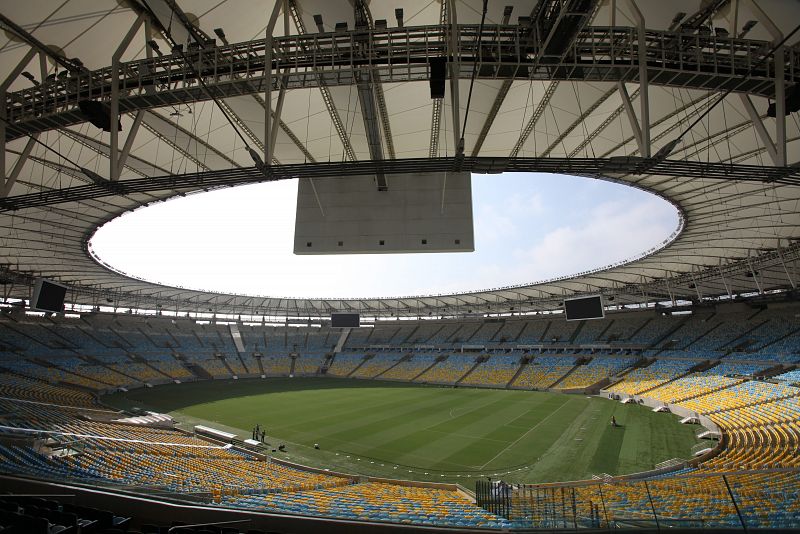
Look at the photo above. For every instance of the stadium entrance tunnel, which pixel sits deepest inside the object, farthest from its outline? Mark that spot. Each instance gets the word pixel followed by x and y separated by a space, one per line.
pixel 528 228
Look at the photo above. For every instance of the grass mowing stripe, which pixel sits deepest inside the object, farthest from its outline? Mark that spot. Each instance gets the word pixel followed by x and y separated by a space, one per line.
pixel 362 414
pixel 495 424
pixel 523 436
pixel 483 420
pixel 381 431
pixel 432 429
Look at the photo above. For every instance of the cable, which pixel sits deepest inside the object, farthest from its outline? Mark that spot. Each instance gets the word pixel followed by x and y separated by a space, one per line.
pixel 460 148
pixel 96 178
pixel 48 147
pixel 253 154
pixel 669 147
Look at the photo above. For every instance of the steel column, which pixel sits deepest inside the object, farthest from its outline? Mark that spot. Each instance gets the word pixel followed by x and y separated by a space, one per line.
pixel 761 129
pixel 15 72
pixel 269 148
pixel 114 120
pixel 644 97
pixel 452 19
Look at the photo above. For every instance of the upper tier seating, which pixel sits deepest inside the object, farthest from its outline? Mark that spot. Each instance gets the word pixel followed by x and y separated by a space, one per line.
pixel 544 371
pixel 308 364
pixel 596 370
pixel 447 371
pixel 378 364
pixel 407 370
pixel 497 371
pixel 345 363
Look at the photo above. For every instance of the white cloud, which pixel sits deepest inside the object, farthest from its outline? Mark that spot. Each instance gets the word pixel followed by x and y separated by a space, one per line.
pixel 610 232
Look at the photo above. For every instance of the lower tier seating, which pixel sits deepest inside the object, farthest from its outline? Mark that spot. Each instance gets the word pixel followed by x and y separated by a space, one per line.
pixel 376 501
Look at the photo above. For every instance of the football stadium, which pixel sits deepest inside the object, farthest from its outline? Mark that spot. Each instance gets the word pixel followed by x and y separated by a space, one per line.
pixel 288 266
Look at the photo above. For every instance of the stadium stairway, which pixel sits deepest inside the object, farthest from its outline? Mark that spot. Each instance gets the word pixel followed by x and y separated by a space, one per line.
pixel 478 361
pixel 775 370
pixel 395 364
pixel 743 341
pixel 244 364
pixel 257 358
pixel 366 358
pixel 98 362
pixel 196 369
pixel 660 343
pixel 46 363
pixel 524 361
pixel 576 332
pixel 641 363
pixel 409 336
pixel 578 363
pixel 435 362
pixel 228 367
pixel 779 339
pixel 342 340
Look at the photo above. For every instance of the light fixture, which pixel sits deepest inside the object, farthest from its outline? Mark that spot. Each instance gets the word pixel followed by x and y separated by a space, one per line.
pixel 318 22
pixel 221 34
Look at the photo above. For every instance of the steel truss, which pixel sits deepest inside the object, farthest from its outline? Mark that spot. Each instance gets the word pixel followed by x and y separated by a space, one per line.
pixel 599 54
pixel 737 277
pixel 604 168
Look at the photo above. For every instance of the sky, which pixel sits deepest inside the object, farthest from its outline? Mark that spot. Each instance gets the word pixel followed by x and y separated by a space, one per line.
pixel 528 227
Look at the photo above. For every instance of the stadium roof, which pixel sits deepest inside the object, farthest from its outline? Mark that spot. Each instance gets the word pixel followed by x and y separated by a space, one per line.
pixel 622 90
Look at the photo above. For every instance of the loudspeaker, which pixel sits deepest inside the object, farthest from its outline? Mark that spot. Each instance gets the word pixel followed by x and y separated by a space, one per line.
pixel 438 74
pixel 98 114
pixel 792 103
pixel 48 296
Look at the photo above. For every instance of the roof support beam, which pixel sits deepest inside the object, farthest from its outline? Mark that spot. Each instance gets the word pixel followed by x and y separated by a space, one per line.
pixel 605 124
pixel 761 129
pixel 453 47
pixel 780 108
pixel 537 114
pixel 11 179
pixel 583 116
pixel 114 169
pixel 7 182
pixel 103 150
pixel 153 121
pixel 634 122
pixel 324 91
pixel 269 148
pixel 366 95
pixel 436 122
pixel 785 269
pixel 779 60
pixel 724 282
pixel 487 124
pixel 498 101
pixel 436 108
pixel 126 149
pixel 754 274
pixel 644 96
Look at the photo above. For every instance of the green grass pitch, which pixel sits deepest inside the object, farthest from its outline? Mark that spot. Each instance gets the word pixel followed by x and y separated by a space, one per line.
pixel 429 433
